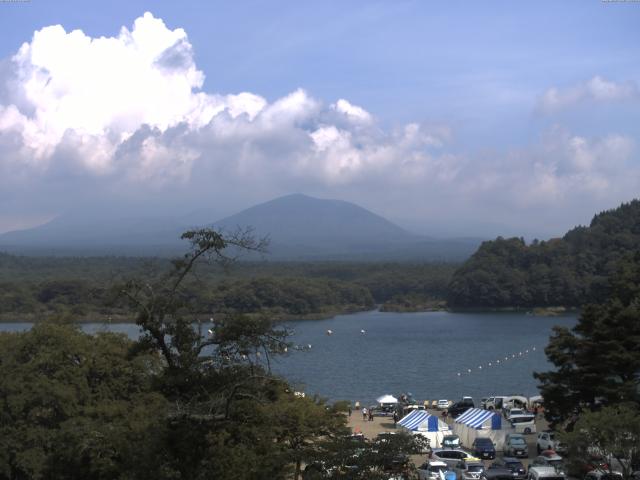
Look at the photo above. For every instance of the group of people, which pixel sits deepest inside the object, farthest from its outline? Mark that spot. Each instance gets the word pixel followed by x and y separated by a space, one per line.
pixel 367 414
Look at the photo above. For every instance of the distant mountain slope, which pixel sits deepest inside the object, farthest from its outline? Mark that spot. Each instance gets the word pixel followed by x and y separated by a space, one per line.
pixel 299 227
pixel 73 235
pixel 568 271
pixel 302 220
pixel 306 228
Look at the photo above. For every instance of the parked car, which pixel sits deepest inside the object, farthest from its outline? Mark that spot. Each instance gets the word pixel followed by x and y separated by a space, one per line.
pixel 550 459
pixel 469 470
pixel 451 441
pixel 495 403
pixel 512 412
pixel 483 448
pixel 525 423
pixel 431 470
pixel 442 404
pixel 514 465
pixel 599 475
pixel 496 474
pixel 450 456
pixel 579 467
pixel 541 472
pixel 460 407
pixel 547 441
pixel 515 446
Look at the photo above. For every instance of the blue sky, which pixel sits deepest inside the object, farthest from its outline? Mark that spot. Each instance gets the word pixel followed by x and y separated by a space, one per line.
pixel 528 113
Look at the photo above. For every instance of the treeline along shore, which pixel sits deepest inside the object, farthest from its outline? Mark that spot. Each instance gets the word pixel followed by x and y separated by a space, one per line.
pixel 504 274
pixel 88 288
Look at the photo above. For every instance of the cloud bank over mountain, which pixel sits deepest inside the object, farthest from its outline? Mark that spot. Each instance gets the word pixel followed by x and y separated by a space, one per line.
pixel 126 120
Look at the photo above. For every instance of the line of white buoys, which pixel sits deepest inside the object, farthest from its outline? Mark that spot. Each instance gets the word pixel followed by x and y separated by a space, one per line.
pixel 497 362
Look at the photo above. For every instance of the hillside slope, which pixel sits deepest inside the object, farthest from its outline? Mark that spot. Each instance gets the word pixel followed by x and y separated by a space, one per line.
pixel 567 271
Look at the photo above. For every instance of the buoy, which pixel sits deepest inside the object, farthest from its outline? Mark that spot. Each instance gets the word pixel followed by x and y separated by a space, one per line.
pixel 309 346
pixel 329 332
pixel 458 373
pixel 534 349
pixel 526 351
pixel 469 370
pixel 497 361
pixel 210 332
pixel 363 331
pixel 480 367
pixel 506 358
pixel 489 363
pixel 285 349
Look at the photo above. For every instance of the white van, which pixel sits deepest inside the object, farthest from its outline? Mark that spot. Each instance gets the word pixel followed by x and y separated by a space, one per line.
pixel 495 403
pixel 544 473
pixel 525 423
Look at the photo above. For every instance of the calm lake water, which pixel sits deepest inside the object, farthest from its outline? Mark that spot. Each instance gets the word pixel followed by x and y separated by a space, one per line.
pixel 421 353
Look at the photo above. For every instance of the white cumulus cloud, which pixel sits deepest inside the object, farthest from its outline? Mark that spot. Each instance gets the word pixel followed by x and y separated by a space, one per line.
pixel 596 89
pixel 85 120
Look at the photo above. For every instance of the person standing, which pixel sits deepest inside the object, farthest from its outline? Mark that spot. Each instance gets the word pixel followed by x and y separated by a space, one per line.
pixel 364 413
pixel 349 410
pixel 395 418
pixel 370 415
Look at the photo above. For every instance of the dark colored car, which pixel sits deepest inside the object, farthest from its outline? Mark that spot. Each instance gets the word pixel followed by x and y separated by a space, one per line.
pixel 483 448
pixel 460 407
pixel 496 474
pixel 514 465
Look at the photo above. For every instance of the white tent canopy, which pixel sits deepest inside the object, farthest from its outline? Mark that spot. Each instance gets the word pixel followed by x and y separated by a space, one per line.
pixel 387 399
pixel 475 423
pixel 420 422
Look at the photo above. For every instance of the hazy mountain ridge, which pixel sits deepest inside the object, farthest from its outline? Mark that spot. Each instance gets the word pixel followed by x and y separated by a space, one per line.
pixel 299 228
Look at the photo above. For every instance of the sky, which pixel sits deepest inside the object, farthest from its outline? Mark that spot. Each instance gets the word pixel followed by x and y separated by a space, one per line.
pixel 449 118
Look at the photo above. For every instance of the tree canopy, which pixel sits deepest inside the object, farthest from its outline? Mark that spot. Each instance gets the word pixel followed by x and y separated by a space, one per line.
pixel 180 402
pixel 597 361
pixel 568 271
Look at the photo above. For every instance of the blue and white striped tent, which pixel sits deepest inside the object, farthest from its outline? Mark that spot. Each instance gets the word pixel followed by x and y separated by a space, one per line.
pixel 479 419
pixel 420 420
pixel 476 423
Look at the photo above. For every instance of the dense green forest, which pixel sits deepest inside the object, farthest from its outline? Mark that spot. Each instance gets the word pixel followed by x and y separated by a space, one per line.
pixel 173 404
pixel 568 271
pixel 87 288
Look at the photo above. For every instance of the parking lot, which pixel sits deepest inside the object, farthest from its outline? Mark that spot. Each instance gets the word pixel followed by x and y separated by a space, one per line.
pixel 371 429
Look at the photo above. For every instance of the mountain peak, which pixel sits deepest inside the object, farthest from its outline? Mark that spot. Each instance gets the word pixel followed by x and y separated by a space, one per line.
pixel 300 219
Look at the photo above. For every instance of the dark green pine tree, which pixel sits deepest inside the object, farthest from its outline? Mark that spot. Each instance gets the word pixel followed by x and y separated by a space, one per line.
pixel 597 361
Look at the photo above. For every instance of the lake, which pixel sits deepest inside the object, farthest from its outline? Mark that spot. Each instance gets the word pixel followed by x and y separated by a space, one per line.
pixel 421 353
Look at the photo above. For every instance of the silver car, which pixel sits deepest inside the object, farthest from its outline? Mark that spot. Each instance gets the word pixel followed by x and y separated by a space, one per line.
pixel 450 456
pixel 469 470
pixel 431 470
pixel 515 445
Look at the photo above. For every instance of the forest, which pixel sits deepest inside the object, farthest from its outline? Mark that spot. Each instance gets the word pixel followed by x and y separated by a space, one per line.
pixel 87 288
pixel 568 271
pixel 505 273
